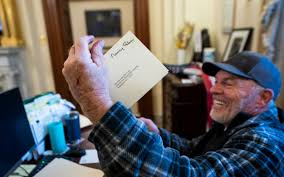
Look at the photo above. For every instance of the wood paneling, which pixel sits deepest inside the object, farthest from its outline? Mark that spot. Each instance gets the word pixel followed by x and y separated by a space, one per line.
pixel 58 27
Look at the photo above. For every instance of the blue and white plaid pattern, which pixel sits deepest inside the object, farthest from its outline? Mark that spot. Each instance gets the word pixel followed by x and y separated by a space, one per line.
pixel 127 148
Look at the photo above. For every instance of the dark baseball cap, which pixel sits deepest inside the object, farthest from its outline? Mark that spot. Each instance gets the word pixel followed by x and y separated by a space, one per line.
pixel 249 65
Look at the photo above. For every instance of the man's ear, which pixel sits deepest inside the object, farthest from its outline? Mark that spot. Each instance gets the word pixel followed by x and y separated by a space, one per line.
pixel 265 96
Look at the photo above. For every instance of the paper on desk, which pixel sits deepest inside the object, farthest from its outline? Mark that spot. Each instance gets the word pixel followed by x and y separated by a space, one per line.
pixel 84 121
pixel 133 70
pixel 22 170
pixel 65 168
pixel 90 157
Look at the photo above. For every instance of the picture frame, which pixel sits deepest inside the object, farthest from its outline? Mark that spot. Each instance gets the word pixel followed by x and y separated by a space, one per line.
pixel 3 21
pixel 107 20
pixel 11 35
pixel 239 40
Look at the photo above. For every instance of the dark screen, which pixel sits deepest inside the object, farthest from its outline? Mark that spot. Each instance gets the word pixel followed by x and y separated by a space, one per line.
pixel 15 132
pixel 103 23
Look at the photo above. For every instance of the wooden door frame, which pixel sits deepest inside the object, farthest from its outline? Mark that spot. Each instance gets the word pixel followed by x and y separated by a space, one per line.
pixel 59 33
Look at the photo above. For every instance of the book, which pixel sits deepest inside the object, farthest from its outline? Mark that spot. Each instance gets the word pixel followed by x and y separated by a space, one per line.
pixel 132 70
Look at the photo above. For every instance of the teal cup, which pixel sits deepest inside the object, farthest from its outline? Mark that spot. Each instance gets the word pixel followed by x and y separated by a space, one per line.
pixel 57 138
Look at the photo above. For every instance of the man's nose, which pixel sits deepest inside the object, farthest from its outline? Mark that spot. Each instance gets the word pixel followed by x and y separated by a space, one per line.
pixel 216 89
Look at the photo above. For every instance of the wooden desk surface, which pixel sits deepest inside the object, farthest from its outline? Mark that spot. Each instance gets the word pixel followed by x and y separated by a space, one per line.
pixel 85 144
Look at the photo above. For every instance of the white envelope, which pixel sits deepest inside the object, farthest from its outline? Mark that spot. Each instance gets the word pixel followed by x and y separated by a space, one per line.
pixel 133 70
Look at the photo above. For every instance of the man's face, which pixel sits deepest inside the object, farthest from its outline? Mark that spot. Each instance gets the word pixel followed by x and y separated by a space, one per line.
pixel 232 95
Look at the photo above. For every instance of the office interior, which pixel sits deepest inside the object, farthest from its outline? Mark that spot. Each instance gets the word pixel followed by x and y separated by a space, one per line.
pixel 36 35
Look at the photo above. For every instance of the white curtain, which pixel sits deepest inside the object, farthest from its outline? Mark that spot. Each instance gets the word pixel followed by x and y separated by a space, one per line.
pixel 166 17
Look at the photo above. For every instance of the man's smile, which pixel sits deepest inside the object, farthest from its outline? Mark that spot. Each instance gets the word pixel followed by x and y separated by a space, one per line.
pixel 219 103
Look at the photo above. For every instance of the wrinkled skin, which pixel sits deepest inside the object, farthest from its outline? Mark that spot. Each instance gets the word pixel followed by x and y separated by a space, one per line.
pixel 86 75
pixel 232 95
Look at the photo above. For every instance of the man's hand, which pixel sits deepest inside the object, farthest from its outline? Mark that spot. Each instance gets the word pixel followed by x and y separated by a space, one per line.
pixel 86 74
pixel 150 125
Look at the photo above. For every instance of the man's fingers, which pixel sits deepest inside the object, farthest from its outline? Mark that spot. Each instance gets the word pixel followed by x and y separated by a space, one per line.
pixel 72 50
pixel 69 72
pixel 97 52
pixel 98 47
pixel 68 76
pixel 82 46
pixel 145 120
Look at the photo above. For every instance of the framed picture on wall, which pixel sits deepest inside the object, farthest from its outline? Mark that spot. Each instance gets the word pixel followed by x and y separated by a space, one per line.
pixel 107 20
pixel 239 40
pixel 10 32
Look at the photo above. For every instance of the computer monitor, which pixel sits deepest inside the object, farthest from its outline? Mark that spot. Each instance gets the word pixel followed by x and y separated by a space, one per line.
pixel 16 138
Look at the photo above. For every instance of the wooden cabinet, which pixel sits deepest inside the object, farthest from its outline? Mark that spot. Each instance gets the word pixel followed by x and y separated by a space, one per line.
pixel 184 107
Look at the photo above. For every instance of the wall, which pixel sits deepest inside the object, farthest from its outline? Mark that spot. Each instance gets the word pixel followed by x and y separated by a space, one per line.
pixel 167 16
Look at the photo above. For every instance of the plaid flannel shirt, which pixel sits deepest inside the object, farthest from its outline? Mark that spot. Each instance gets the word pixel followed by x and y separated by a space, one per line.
pixel 127 148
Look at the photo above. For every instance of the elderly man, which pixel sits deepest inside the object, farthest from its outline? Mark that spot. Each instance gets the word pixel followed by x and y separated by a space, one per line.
pixel 248 139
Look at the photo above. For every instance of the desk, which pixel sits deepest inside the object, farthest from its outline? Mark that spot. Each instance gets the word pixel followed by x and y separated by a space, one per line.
pixel 85 144
pixel 88 145
pixel 184 107
pixel 85 134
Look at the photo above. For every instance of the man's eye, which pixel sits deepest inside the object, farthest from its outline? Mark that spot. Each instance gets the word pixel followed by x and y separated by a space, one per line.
pixel 227 83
